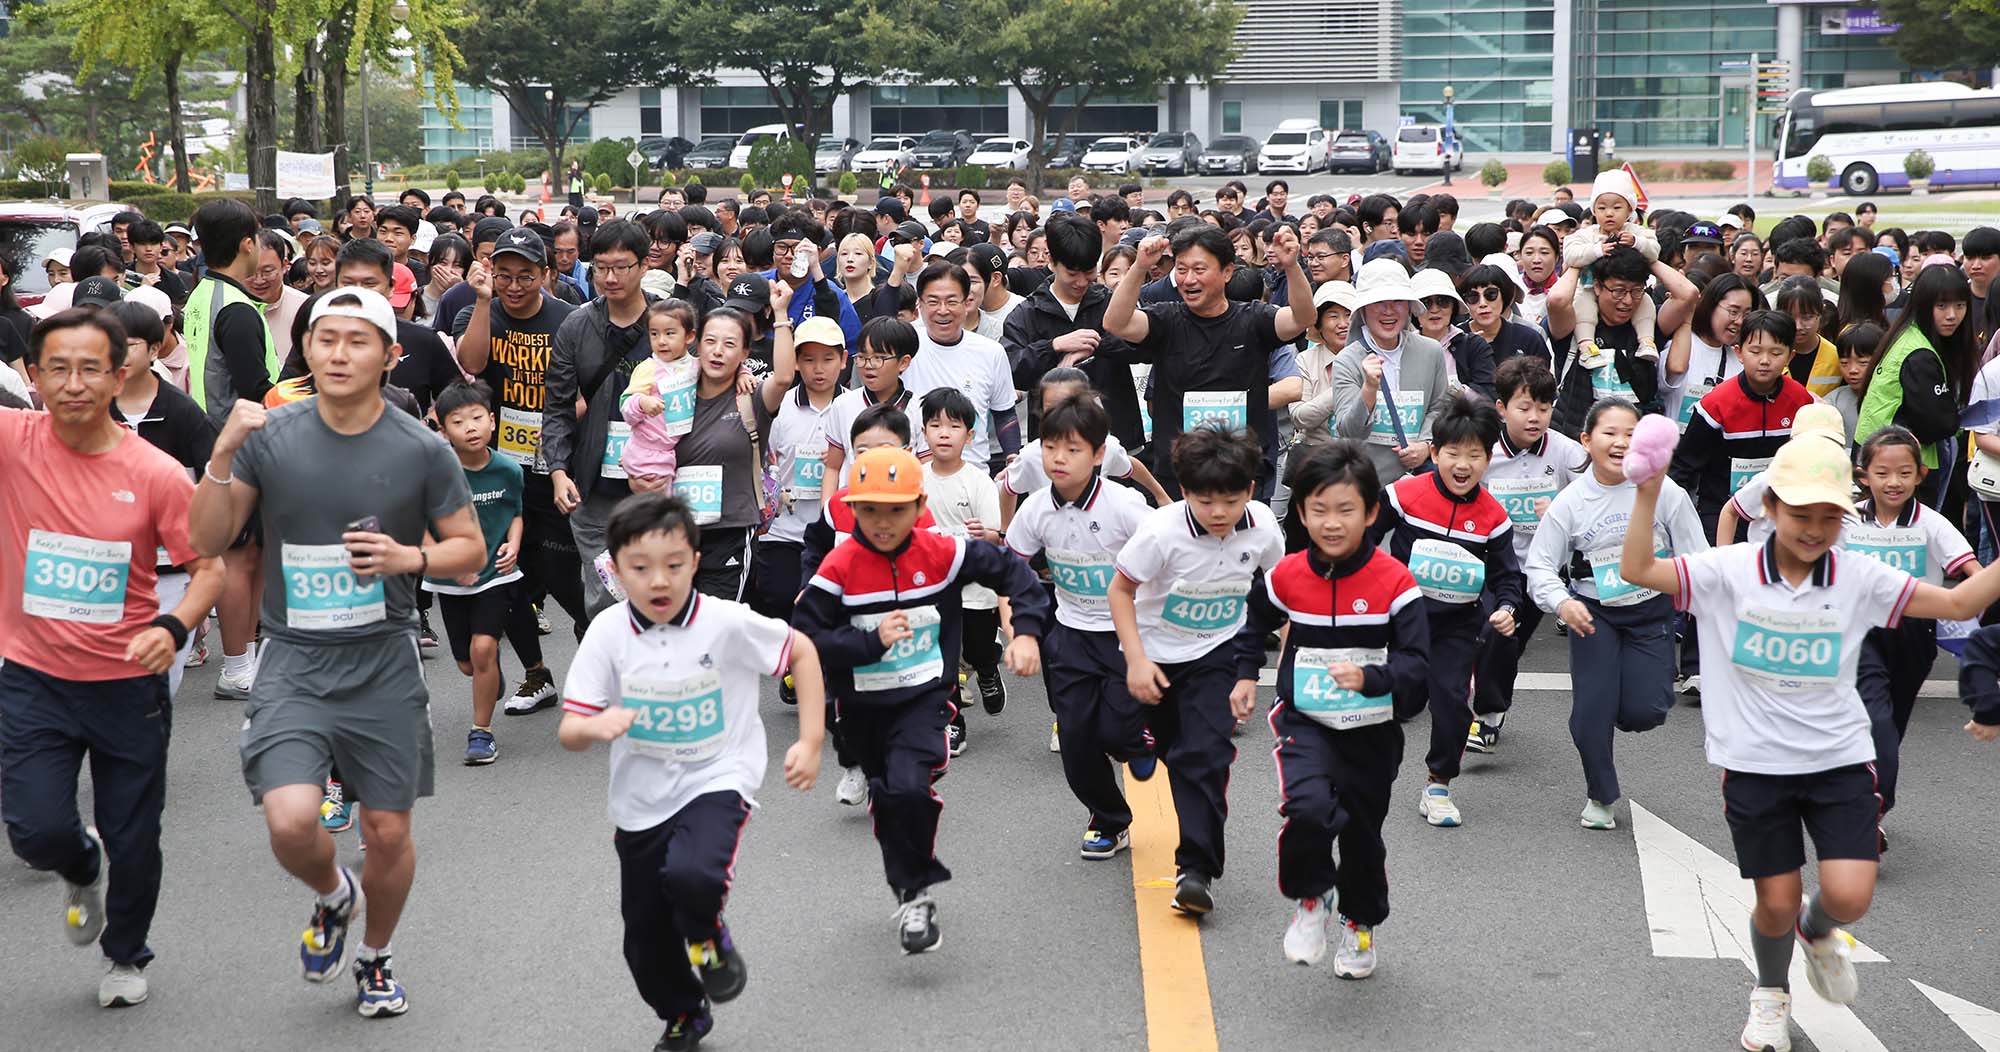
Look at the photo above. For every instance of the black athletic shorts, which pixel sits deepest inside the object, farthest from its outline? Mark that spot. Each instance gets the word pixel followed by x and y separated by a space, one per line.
pixel 1769 815
pixel 483 614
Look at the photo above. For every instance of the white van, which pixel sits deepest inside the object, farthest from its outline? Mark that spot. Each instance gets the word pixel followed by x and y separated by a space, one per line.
pixel 1422 148
pixel 740 156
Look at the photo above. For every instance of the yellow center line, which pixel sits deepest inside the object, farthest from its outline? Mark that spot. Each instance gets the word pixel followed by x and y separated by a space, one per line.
pixel 1179 1015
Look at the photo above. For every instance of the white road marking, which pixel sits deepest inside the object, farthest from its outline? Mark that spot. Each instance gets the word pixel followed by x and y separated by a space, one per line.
pixel 1981 1024
pixel 1559 681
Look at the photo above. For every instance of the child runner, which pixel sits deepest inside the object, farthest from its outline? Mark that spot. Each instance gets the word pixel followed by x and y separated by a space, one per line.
pixel 884 611
pixel 887 347
pixel 1621 635
pixel 1457 540
pixel 1353 665
pixel 478 607
pixel 1026 474
pixel 1531 464
pixel 1079 522
pixel 1786 622
pixel 1856 348
pixel 966 504
pixel 1894 527
pixel 658 403
pixel 669 679
pixel 1612 199
pixel 1747 505
pixel 1177 601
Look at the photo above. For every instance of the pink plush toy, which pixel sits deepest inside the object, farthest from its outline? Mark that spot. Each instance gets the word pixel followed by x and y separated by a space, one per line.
pixel 1652 447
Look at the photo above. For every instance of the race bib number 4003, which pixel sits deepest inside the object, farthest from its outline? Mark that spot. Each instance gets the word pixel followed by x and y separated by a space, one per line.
pixel 1205 608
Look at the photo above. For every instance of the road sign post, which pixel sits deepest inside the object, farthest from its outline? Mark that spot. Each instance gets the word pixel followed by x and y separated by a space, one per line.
pixel 635 159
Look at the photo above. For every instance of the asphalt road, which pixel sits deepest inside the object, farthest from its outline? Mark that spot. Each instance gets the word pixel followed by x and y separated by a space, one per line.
pixel 1519 930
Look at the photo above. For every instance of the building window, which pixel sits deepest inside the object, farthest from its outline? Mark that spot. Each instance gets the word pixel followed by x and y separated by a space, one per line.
pixel 1496 55
pixel 649 111
pixel 1232 117
pixel 730 111
pixel 1339 114
pixel 913 109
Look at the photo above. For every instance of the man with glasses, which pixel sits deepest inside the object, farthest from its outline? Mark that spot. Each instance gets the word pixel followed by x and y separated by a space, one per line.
pixel 266 285
pixel 1620 279
pixel 1329 257
pixel 950 356
pixel 796 231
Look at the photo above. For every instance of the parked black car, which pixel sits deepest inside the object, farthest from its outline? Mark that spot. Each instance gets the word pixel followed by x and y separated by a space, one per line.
pixel 1361 151
pixel 943 149
pixel 1231 154
pixel 665 152
pixel 1066 151
pixel 711 152
pixel 1176 153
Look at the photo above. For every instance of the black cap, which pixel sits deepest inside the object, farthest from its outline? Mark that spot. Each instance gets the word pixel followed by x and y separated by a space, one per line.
pixel 1702 232
pixel 489 229
pixel 988 257
pixel 749 292
pixel 97 291
pixel 586 217
pixel 892 206
pixel 525 243
pixel 910 230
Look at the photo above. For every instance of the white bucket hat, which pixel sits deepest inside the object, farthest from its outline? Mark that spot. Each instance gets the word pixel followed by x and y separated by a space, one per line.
pixel 1507 263
pixel 1428 283
pixel 1383 281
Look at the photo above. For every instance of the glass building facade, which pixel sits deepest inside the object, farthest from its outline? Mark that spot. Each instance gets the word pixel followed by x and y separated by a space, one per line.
pixel 1649 72
pixel 1498 57
pixel 473 136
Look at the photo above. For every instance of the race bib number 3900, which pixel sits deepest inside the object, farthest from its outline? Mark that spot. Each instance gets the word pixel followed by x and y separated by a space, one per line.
pixel 321 592
pixel 69 578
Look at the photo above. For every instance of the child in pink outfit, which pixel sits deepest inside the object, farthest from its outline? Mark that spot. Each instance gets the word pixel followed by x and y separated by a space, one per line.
pixel 658 404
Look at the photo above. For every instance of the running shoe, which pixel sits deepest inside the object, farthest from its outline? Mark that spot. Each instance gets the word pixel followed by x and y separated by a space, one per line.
pixel 1143 767
pixel 1099 846
pixel 1484 734
pixel 376 991
pixel 992 692
pixel 1881 841
pixel 1599 816
pixel 480 749
pixel 536 692
pixel 1690 688
pixel 955 736
pixel 427 639
pixel 232 688
pixel 685 1031
pixel 122 985
pixel 788 693
pixel 324 945
pixel 335 813
pixel 916 923
pixel 1305 938
pixel 542 625
pixel 853 787
pixel 1437 807
pixel 197 655
pixel 723 973
pixel 1355 959
pixel 1192 895
pixel 83 904
pixel 1830 965
pixel 1769 1028
pixel 1055 738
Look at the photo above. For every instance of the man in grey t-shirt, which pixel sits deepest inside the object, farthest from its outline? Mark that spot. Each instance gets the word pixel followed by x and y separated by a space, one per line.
pixel 346 489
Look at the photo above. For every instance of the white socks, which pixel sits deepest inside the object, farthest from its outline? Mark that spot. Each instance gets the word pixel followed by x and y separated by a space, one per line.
pixel 239 666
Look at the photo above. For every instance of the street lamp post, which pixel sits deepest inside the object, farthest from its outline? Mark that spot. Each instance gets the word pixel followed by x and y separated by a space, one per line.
pixel 1449 133
pixel 400 12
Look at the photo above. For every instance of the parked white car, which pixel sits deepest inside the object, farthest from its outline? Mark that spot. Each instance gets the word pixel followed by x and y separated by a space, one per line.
pixel 1297 146
pixel 1113 153
pixel 892 152
pixel 740 156
pixel 1000 153
pixel 1422 148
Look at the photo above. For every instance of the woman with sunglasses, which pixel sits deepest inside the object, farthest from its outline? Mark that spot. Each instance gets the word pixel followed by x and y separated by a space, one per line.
pixel 1490 293
pixel 1468 356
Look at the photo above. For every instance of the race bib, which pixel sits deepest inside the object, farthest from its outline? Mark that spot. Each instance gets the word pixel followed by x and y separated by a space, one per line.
pixel 1139 375
pixel 1606 383
pixel 1689 399
pixel 1223 409
pixel 1788 650
pixel 676 383
pixel 1082 579
pixel 1519 496
pixel 521 436
pixel 69 578
pixel 1743 469
pixel 1205 608
pixel 907 663
pixel 322 593
pixel 808 477
pixel 680 720
pixel 701 486
pixel 1446 572
pixel 1317 696
pixel 1904 547
pixel 1409 412
pixel 614 450
pixel 1613 590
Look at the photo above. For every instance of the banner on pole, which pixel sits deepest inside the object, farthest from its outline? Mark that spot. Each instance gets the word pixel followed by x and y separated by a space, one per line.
pixel 305 175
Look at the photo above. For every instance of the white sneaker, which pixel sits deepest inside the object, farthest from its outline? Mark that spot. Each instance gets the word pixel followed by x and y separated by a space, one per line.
pixel 1691 686
pixel 1830 966
pixel 1437 807
pixel 1599 816
pixel 1769 1028
pixel 1355 959
pixel 1055 739
pixel 853 787
pixel 1305 939
pixel 231 688
pixel 123 984
pixel 83 904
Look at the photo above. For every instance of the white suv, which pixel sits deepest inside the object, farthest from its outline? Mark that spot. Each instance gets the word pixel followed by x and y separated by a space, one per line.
pixel 1300 146
pixel 1424 148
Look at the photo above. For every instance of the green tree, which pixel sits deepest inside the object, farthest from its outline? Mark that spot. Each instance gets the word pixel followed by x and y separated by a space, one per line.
pixel 605 47
pixel 808 53
pixel 395 123
pixel 1051 51
pixel 1945 34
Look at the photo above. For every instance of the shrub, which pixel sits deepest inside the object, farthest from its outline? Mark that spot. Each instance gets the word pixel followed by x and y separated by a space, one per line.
pixel 1819 170
pixel 970 177
pixel 1492 173
pixel 747 184
pixel 849 185
pixel 1557 173
pixel 451 179
pixel 1652 171
pixel 520 183
pixel 772 158
pixel 40 160
pixel 1708 171
pixel 124 188
pixel 602 184
pixel 1918 165
pixel 607 155
pixel 492 183
pixel 669 177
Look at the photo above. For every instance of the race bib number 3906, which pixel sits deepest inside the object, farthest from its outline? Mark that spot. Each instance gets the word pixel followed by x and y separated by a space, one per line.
pixel 69 578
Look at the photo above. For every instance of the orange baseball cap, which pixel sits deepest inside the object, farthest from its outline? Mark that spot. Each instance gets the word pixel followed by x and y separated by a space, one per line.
pixel 886 475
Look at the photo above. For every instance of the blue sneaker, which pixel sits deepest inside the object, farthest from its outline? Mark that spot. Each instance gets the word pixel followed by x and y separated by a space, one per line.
pixel 1098 846
pixel 335 813
pixel 480 749
pixel 376 991
pixel 324 945
pixel 1144 766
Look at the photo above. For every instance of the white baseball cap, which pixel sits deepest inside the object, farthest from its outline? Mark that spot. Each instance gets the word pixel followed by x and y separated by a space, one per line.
pixel 151 296
pixel 371 307
pixel 1339 292
pixel 59 256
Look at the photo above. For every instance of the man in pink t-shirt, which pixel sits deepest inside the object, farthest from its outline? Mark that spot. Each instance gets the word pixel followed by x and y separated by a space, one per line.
pixel 88 509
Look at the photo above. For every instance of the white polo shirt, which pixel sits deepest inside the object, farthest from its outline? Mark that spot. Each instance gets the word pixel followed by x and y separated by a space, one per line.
pixel 1027 474
pixel 799 439
pixel 956 499
pixel 1082 539
pixel 975 365
pixel 840 423
pixel 1192 584
pixel 1778 662
pixel 1520 478
pixel 1920 542
pixel 694 678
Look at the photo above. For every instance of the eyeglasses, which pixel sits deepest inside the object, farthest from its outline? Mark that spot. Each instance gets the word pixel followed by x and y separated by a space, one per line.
pixel 617 269
pixel 88 372
pixel 864 358
pixel 1624 292
pixel 1489 294
pixel 522 280
pixel 1322 257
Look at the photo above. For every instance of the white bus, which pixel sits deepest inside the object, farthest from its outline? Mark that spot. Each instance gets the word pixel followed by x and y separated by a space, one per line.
pixel 1866 133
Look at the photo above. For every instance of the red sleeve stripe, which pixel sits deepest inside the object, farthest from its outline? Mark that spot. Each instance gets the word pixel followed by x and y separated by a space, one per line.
pixel 581 707
pixel 1684 588
pixel 785 653
pixel 1952 567
pixel 1902 601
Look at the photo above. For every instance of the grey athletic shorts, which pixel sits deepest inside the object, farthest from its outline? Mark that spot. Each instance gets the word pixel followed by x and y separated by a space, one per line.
pixel 361 706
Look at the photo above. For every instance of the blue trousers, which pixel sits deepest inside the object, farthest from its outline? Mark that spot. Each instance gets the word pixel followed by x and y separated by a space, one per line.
pixel 1621 678
pixel 1893 665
